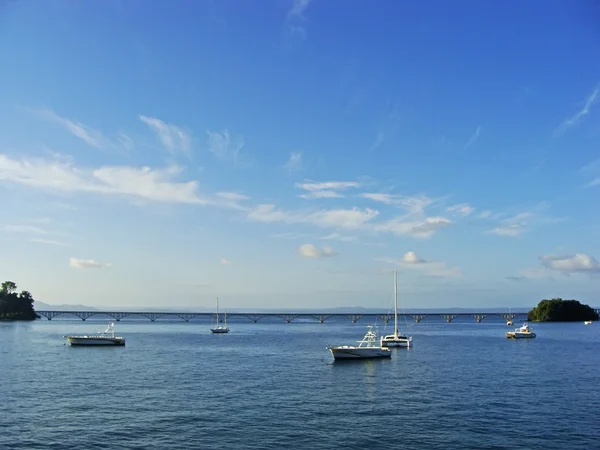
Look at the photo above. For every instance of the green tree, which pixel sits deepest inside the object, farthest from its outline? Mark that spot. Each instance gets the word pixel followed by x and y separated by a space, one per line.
pixel 559 310
pixel 15 306
pixel 8 287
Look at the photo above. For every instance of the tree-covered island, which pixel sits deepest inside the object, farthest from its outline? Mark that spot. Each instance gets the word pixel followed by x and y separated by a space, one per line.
pixel 15 306
pixel 559 310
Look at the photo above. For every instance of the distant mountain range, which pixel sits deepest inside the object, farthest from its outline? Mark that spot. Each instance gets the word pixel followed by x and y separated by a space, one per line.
pixel 47 307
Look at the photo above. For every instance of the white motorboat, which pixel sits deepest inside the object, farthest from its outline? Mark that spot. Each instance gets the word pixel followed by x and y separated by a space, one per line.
pixel 368 347
pixel 396 339
pixel 588 322
pixel 220 329
pixel 525 332
pixel 107 337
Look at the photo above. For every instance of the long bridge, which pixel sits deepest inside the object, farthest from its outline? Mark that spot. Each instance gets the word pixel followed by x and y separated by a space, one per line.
pixel 287 317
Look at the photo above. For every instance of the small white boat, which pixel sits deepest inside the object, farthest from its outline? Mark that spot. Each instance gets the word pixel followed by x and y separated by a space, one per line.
pixel 509 322
pixel 219 329
pixel 588 322
pixel 525 332
pixel 101 338
pixel 396 339
pixel 368 347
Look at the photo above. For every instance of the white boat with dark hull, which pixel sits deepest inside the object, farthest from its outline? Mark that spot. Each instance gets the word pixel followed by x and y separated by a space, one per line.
pixel 219 329
pixel 525 332
pixel 106 338
pixel 396 339
pixel 368 347
pixel 587 322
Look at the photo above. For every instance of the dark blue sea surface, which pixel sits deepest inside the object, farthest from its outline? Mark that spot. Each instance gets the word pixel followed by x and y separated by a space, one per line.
pixel 273 385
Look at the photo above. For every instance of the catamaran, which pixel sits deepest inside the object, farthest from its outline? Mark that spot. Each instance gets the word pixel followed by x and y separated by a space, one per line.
pixel 102 338
pixel 220 328
pixel 396 339
pixel 367 348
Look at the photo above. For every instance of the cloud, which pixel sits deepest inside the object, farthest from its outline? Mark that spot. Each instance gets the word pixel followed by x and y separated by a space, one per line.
pixel 222 147
pixel 225 262
pixel 474 137
pixel 310 251
pixel 291 235
pixel 578 263
pixel 523 222
pixel 513 230
pixel 484 214
pixel 90 136
pixel 174 139
pixel 337 218
pixel 594 182
pixel 48 242
pixel 327 189
pixel 295 18
pixel 462 208
pixel 377 142
pixel 413 204
pixel 410 261
pixel 28 229
pixel 136 183
pixel 572 121
pixel 422 228
pixel 87 264
pixel 339 237
pixel 234 196
pixel 294 162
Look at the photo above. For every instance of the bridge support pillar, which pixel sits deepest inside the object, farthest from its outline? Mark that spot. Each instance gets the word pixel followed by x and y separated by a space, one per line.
pixel 448 317
pixel 355 317
pixel 418 318
pixel 479 317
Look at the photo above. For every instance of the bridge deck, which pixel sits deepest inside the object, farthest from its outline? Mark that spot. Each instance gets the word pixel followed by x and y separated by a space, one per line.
pixel 288 317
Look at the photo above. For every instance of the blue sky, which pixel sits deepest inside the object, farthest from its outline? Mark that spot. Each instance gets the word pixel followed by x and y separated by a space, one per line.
pixel 292 153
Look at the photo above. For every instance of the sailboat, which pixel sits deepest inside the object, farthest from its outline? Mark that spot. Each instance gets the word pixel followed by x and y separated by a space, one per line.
pixel 509 321
pixel 219 328
pixel 396 339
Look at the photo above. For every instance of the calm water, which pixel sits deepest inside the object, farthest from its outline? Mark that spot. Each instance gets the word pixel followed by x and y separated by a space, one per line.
pixel 273 385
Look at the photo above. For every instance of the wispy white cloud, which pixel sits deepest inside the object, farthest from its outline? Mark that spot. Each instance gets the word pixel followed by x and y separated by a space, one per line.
pixel 27 229
pixel 474 137
pixel 572 264
pixel 572 121
pixel 174 139
pixel 514 230
pixel 337 218
pixel 413 204
pixel 223 147
pixel 138 183
pixel 77 263
pixel 234 196
pixel 410 261
pixel 89 135
pixel 339 237
pixel 328 189
pixel 592 169
pixel 377 142
pixel 418 228
pixel 484 214
pixel 294 162
pixel 225 262
pixel 291 235
pixel 310 251
pixel 48 242
pixel 464 209
pixel 517 224
pixel 295 19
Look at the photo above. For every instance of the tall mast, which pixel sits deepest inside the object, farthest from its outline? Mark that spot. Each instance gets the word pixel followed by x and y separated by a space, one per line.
pixel 217 311
pixel 395 305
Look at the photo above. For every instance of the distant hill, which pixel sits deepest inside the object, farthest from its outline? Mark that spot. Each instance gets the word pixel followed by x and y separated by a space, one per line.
pixel 41 306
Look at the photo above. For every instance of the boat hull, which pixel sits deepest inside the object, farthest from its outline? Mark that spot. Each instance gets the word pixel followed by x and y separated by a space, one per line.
pixel 95 341
pixel 359 352
pixel 219 330
pixel 395 341
pixel 515 335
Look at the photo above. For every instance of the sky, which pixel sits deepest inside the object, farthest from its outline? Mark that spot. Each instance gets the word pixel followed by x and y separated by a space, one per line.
pixel 293 153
